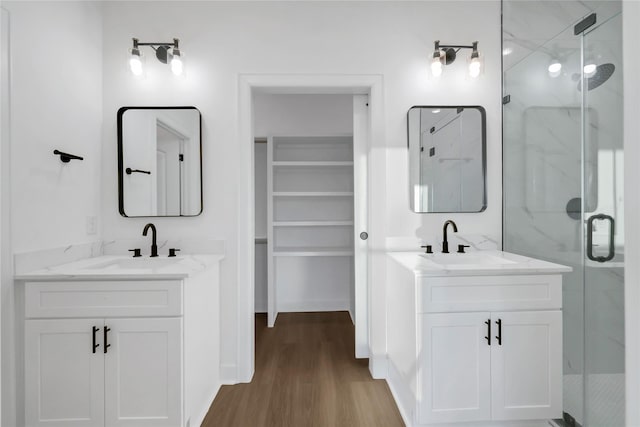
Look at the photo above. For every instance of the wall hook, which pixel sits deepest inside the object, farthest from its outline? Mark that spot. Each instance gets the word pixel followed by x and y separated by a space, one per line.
pixel 129 171
pixel 66 157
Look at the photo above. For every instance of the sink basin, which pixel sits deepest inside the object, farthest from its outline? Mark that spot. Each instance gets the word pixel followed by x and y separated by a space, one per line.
pixel 471 259
pixel 135 264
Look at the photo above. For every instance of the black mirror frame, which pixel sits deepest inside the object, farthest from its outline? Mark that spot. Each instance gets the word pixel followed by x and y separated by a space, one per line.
pixel 121 171
pixel 483 117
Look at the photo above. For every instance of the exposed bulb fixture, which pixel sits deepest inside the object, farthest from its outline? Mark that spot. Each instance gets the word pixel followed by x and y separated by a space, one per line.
pixel 555 67
pixel 168 52
pixel 446 55
pixel 436 63
pixel 177 67
pixel 474 64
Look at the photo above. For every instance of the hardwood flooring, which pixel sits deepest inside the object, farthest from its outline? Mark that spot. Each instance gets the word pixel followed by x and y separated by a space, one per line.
pixel 306 375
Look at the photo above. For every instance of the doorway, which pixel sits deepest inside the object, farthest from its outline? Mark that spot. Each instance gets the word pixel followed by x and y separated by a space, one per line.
pixel 370 85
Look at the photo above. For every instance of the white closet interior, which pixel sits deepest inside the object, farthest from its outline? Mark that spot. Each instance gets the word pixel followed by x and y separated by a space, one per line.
pixel 310 205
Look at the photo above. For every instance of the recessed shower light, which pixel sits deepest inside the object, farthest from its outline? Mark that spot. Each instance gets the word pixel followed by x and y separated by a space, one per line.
pixel 589 69
pixel 555 67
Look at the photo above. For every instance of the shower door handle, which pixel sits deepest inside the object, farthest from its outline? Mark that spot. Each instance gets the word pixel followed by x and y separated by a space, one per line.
pixel 612 248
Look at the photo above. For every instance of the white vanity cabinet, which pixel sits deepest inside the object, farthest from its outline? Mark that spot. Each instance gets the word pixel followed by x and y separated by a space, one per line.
pixel 114 341
pixel 474 348
pixel 468 375
pixel 106 367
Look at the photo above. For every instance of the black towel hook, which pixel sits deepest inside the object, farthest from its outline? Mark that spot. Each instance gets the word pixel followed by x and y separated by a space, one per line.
pixel 66 157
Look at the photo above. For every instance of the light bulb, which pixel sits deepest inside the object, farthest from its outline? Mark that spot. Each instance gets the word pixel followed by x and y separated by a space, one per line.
pixel 589 69
pixel 555 67
pixel 135 63
pixel 177 67
pixel 474 67
pixel 436 65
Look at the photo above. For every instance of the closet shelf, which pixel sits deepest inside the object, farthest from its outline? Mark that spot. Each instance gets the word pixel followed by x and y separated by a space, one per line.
pixel 312 251
pixel 311 223
pixel 313 193
pixel 312 163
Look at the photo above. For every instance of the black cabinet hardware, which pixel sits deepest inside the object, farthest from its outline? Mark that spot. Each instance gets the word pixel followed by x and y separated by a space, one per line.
pixel 499 336
pixel 66 157
pixel 106 345
pixel 95 344
pixel 461 248
pixel 488 336
pixel 364 235
pixel 172 252
pixel 612 248
pixel 427 249
pixel 136 252
pixel 129 171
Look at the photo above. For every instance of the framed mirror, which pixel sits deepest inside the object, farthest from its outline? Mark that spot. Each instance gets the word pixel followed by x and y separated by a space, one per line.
pixel 159 161
pixel 447 159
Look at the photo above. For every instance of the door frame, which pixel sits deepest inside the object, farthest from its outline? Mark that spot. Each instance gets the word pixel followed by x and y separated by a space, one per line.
pixel 249 84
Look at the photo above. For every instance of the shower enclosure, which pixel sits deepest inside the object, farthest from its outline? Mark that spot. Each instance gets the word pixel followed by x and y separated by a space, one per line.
pixel 563 182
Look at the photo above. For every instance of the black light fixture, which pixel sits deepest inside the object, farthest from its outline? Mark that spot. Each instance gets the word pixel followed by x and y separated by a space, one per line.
pixel 446 55
pixel 166 52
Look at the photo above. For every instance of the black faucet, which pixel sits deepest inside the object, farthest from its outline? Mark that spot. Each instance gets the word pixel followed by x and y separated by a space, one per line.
pixel 445 243
pixel 154 245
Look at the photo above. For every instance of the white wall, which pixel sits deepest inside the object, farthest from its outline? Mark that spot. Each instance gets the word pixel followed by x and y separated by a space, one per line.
pixel 222 40
pixel 55 103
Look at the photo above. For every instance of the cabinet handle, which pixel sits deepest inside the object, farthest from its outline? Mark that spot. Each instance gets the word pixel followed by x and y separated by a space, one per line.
pixel 95 344
pixel 106 346
pixel 488 336
pixel 499 336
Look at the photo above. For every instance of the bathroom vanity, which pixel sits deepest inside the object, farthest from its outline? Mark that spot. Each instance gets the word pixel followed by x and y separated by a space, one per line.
pixel 474 337
pixel 116 341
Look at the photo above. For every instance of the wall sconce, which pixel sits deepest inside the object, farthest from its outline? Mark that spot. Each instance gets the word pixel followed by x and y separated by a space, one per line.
pixel 446 54
pixel 174 58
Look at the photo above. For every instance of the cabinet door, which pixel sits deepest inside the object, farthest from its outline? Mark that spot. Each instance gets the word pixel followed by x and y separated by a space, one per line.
pixel 143 372
pixel 454 360
pixel 64 378
pixel 527 366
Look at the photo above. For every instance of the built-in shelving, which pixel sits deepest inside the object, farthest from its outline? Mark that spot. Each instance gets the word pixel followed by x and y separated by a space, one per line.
pixel 311 164
pixel 312 251
pixel 310 247
pixel 313 194
pixel 311 223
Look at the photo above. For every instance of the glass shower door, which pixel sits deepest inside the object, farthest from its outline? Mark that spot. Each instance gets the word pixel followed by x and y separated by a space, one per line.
pixel 603 184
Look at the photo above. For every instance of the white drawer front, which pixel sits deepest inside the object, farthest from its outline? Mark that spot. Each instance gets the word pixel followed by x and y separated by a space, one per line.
pixel 103 299
pixel 444 294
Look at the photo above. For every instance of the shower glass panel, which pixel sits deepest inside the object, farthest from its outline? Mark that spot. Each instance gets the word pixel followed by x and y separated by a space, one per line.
pixel 563 183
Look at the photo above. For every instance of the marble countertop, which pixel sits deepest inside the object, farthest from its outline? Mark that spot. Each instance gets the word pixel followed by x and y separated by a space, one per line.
pixel 112 267
pixel 477 263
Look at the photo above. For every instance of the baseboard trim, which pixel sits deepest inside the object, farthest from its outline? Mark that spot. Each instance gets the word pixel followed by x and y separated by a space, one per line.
pixel 378 366
pixel 229 374
pixel 307 306
pixel 398 390
pixel 200 418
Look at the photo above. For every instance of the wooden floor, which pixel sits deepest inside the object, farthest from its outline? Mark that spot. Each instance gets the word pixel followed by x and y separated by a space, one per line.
pixel 306 375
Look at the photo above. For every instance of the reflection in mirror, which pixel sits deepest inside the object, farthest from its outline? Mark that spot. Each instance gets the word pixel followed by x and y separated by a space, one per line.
pixel 447 159
pixel 159 161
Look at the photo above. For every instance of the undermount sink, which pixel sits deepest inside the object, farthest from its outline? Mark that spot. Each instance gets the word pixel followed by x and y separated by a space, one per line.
pixel 468 259
pixel 135 263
